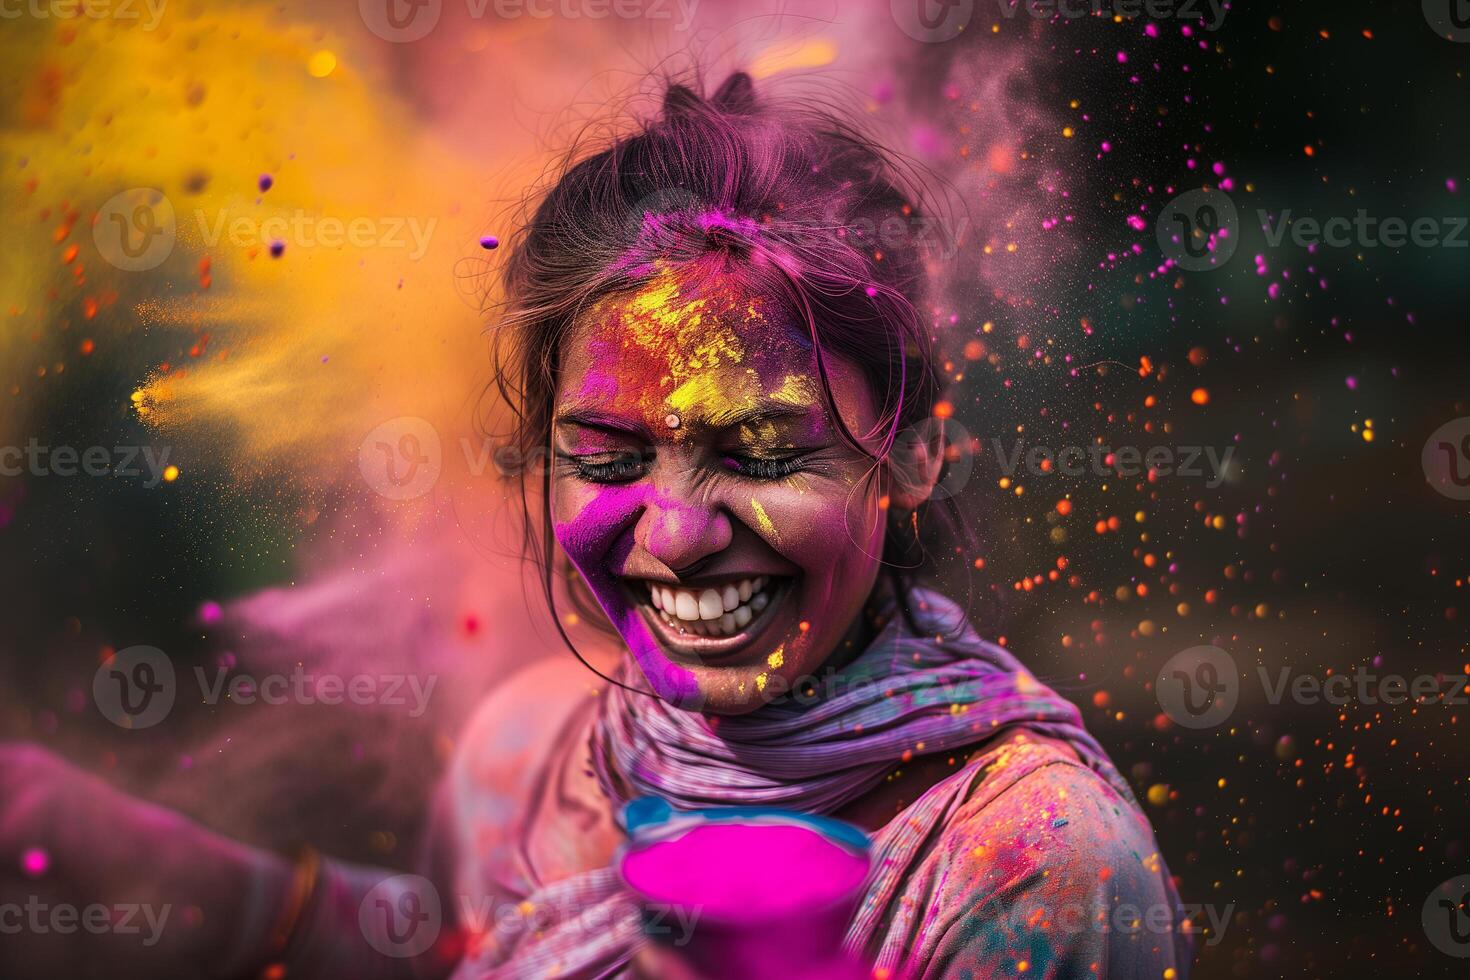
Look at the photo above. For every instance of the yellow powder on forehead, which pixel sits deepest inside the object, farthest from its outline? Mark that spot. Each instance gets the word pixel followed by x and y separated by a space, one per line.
pixel 693 336
pixel 795 389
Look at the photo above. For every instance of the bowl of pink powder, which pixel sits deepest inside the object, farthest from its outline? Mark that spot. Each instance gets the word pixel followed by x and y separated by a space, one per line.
pixel 746 891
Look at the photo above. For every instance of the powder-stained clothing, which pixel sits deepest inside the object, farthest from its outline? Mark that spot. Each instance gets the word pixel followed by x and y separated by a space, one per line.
pixel 1033 859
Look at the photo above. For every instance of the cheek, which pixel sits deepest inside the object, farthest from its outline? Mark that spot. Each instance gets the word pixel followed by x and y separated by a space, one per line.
pixel 829 529
pixel 591 523
pixel 588 522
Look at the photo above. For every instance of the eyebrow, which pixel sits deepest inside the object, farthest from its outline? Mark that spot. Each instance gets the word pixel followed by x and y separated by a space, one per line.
pixel 590 418
pixel 754 415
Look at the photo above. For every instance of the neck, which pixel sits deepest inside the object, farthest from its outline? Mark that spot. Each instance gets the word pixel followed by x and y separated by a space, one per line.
pixel 865 625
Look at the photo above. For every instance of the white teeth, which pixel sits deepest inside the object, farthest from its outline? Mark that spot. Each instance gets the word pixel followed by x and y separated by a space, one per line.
pixel 714 612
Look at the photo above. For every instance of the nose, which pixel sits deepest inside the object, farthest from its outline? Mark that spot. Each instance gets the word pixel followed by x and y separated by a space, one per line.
pixel 683 534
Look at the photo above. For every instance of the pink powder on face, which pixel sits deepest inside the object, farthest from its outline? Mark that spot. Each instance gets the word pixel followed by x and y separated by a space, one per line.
pixel 746 871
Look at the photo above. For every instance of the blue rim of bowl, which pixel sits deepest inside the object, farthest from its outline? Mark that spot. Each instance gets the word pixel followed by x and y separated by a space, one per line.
pixel 649 818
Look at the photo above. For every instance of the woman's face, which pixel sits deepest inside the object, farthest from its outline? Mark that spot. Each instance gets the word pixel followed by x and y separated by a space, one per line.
pixel 702 490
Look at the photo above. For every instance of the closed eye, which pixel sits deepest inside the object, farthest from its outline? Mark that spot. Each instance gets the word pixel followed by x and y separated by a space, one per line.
pixel 765 467
pixel 607 467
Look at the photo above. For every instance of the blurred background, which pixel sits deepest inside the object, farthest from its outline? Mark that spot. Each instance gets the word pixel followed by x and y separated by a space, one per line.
pixel 244 416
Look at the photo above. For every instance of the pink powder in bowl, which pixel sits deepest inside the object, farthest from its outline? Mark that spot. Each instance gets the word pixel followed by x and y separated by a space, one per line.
pixel 746 872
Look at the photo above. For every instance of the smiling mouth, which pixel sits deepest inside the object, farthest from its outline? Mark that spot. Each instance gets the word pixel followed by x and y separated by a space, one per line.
pixel 717 618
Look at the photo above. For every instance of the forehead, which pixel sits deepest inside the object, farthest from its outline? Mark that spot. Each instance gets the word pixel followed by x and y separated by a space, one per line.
pixel 700 349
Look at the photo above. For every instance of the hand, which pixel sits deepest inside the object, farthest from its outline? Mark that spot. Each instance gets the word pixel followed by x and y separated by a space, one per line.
pixel 94 883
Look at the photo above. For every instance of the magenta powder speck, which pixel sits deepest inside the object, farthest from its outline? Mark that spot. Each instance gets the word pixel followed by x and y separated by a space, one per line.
pixel 34 861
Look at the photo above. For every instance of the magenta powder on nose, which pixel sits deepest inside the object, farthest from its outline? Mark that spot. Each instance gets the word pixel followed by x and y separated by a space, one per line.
pixel 746 871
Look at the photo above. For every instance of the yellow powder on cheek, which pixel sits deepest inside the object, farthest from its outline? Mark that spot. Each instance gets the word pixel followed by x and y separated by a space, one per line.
pixel 764 520
pixel 775 660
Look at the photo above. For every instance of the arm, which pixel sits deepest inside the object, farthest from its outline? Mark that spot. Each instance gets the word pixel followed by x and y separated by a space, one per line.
pixel 95 883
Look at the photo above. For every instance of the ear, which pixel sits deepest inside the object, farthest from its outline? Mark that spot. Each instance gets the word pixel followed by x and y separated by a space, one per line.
pixel 914 465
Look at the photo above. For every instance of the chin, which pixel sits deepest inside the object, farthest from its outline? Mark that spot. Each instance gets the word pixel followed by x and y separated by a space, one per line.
pixel 723 646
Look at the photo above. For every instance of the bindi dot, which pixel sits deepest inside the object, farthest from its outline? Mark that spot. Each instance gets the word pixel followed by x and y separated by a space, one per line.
pixel 671 420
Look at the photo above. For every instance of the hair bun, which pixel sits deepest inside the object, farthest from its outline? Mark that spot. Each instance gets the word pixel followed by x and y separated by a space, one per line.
pixel 737 94
pixel 680 100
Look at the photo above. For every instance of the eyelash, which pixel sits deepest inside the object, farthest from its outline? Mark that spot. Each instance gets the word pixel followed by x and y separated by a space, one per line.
pixel 622 468
pixel 627 467
pixel 768 469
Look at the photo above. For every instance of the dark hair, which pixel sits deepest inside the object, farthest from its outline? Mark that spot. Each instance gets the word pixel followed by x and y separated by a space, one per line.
pixel 788 197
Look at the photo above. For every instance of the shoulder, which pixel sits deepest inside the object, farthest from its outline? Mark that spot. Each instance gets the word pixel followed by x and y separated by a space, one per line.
pixel 1045 856
pixel 502 755
pixel 515 726
pixel 1038 811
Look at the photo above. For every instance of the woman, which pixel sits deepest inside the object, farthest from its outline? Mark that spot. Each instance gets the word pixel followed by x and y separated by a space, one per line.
pixel 729 370
pixel 726 369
